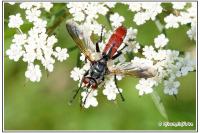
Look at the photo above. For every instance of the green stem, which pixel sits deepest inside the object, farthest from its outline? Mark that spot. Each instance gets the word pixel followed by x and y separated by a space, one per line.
pixel 51 29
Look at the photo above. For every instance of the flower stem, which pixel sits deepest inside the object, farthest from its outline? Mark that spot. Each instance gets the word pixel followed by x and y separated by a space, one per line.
pixel 20 31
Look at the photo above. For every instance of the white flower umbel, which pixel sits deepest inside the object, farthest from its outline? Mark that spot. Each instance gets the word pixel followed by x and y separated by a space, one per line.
pixel 89 99
pixel 15 21
pixel 35 45
pixel 160 41
pixel 111 90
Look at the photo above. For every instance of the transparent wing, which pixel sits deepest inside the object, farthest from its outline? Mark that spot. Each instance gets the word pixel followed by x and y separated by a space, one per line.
pixel 128 68
pixel 81 38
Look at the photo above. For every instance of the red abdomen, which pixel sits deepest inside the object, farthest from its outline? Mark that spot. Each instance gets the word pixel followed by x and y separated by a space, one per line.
pixel 115 40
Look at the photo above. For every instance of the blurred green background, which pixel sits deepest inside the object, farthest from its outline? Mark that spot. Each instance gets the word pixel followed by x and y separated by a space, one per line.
pixel 43 105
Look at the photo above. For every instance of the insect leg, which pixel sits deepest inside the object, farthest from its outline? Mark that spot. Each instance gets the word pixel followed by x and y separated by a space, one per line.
pixel 76 93
pixel 119 52
pixel 100 40
pixel 87 97
pixel 115 78
pixel 78 89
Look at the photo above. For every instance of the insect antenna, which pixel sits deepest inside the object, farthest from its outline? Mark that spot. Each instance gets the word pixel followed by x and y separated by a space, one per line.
pixel 115 78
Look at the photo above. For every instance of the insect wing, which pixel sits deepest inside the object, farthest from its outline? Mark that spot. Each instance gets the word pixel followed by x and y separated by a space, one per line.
pixel 129 69
pixel 82 40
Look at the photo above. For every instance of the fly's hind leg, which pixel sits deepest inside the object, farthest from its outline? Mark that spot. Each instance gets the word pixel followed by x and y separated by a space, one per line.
pixel 119 52
pixel 115 79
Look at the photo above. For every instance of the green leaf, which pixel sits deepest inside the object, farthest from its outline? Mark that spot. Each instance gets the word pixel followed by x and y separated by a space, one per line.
pixel 159 105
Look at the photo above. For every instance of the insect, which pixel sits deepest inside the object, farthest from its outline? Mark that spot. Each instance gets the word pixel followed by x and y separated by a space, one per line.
pixel 101 67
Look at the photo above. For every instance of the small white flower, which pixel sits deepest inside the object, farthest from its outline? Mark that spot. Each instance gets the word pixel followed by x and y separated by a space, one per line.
pixel 47 6
pixel 134 6
pixel 26 5
pixel 15 21
pixel 141 18
pixel 145 86
pixel 77 74
pixel 61 54
pixel 178 5
pixel 19 39
pixel 171 21
pixel 29 57
pixel 48 62
pixel 160 41
pixel 32 14
pixel 148 52
pixel 51 40
pixel 15 52
pixel 171 87
pixel 89 99
pixel 33 73
pixel 111 90
pixel 116 20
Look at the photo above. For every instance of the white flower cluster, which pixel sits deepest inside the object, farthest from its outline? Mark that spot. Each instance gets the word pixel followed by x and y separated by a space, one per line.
pixel 169 65
pixel 144 11
pixel 88 12
pixel 36 44
pixel 181 16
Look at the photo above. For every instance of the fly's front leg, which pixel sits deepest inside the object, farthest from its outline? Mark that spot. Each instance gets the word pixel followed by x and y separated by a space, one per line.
pixel 99 41
pixel 115 78
pixel 74 96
